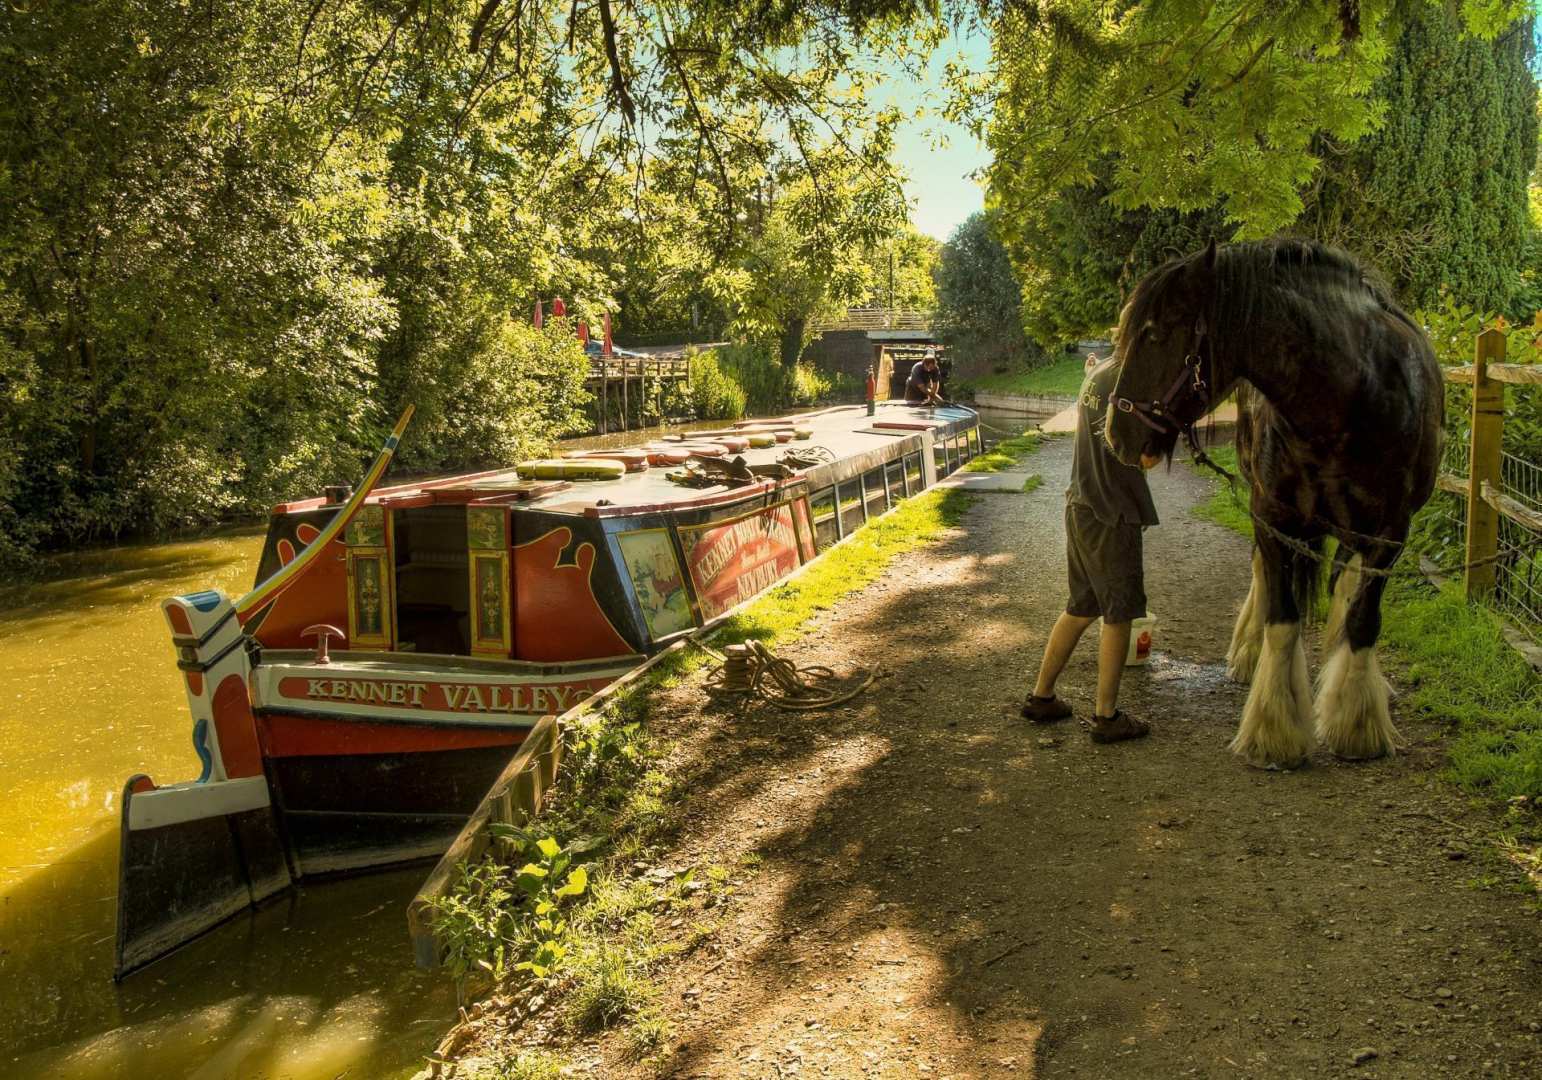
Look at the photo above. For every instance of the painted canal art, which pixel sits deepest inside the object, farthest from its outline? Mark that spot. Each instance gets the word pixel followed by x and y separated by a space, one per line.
pixel 350 712
pixel 649 555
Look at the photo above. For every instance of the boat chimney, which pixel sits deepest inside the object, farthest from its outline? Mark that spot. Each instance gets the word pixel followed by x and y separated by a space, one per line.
pixel 337 494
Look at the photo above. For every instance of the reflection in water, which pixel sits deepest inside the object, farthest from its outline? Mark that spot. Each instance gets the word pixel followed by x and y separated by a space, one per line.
pixel 314 985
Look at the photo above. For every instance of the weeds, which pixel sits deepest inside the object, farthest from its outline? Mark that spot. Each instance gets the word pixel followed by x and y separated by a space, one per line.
pixel 606 989
pixel 1033 482
pixel 1063 378
pixel 526 1065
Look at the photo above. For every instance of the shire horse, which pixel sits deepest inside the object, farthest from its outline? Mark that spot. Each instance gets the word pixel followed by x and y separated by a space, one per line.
pixel 1340 403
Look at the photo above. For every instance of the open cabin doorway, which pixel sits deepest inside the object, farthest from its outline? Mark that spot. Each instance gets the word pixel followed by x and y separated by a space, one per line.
pixel 433 593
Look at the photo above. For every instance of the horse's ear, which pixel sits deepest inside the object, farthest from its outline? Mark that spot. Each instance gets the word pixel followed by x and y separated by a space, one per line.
pixel 1210 253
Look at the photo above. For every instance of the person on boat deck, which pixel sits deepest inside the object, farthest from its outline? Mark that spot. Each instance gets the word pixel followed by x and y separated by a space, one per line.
pixel 1107 506
pixel 924 387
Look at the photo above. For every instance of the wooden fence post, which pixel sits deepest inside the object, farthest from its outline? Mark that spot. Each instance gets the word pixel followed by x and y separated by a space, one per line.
pixel 1483 466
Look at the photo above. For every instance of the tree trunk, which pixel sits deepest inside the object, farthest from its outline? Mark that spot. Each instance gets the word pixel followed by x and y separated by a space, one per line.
pixel 792 339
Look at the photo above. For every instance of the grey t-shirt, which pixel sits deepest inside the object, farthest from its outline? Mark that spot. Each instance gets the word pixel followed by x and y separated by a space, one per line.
pixel 1116 493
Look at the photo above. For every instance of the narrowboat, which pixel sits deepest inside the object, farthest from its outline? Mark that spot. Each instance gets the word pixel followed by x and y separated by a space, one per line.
pixel 351 711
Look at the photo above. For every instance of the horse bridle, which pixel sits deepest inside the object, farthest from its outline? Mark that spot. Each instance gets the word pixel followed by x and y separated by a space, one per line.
pixel 1159 415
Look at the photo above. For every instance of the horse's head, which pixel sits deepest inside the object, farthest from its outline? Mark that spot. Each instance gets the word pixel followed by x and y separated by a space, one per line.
pixel 1165 358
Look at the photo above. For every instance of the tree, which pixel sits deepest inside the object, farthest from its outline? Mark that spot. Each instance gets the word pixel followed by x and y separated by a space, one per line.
pixel 1436 198
pixel 1409 198
pixel 901 271
pixel 1201 104
pixel 979 303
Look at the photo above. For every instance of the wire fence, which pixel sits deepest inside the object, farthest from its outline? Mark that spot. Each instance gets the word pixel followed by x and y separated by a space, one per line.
pixel 1443 536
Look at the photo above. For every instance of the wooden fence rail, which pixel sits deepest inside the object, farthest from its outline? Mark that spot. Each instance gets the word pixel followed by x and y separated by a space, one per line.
pixel 514 799
pixel 1482 486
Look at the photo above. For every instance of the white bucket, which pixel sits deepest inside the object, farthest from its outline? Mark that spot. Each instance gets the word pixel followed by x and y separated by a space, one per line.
pixel 1142 633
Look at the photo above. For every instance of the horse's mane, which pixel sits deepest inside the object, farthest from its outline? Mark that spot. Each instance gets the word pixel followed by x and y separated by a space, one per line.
pixel 1314 288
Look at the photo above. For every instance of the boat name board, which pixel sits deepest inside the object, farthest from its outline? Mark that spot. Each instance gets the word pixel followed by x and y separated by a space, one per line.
pixel 462 697
pixel 733 561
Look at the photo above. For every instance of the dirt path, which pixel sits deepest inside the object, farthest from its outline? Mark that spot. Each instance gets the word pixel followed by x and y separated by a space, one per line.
pixel 948 891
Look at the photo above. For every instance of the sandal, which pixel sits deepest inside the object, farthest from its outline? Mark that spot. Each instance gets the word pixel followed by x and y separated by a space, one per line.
pixel 1117 728
pixel 1045 710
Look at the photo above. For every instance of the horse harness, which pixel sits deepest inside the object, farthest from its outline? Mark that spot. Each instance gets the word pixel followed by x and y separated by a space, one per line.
pixel 1160 415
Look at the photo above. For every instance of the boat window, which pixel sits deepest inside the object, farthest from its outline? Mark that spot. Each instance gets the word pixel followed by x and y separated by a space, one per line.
pixel 894 473
pixel 940 456
pixel 913 478
pixel 432 580
pixel 873 491
pixel 826 528
pixel 852 514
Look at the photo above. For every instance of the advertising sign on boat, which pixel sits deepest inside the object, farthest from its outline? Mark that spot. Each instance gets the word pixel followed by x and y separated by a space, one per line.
pixel 731 561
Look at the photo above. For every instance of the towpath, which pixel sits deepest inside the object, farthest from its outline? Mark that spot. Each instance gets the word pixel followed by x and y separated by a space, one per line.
pixel 946 890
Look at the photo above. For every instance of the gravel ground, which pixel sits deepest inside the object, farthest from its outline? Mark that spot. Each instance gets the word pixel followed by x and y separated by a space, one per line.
pixel 947 890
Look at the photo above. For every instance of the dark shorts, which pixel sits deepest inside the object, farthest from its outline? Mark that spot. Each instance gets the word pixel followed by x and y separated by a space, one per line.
pixel 1105 567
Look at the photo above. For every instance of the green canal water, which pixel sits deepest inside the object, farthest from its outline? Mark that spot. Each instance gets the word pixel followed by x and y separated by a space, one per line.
pixel 318 985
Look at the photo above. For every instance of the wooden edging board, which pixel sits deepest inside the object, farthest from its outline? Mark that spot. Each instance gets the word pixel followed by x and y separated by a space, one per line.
pixel 544 745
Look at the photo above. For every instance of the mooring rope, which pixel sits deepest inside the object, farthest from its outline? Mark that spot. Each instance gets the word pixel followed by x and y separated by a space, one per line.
pixel 755 670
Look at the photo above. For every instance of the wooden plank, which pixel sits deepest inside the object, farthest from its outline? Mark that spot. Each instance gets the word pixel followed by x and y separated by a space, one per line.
pixel 1487 435
pixel 1516 374
pixel 1457 485
pixel 472 843
pixel 1517 512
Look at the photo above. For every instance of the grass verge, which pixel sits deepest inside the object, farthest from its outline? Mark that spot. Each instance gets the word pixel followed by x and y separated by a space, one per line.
pixel 1456 668
pixel 1063 378
pixel 1005 454
pixel 573 933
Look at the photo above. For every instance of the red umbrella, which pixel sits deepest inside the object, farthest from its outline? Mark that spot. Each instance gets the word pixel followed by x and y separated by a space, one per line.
pixel 558 308
pixel 539 317
pixel 583 332
pixel 608 346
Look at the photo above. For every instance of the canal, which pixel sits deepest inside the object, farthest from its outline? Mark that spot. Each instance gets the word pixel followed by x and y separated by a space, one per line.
pixel 315 986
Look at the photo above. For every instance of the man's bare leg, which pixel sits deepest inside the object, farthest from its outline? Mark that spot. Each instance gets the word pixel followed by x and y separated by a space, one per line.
pixel 1063 636
pixel 1113 647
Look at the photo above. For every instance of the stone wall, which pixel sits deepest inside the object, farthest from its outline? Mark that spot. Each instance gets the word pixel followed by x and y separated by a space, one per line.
pixel 846 351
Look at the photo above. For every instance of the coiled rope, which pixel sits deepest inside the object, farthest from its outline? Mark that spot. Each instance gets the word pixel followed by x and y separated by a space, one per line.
pixel 755 670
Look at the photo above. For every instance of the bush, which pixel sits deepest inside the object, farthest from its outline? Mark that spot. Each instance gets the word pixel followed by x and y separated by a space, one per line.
pixel 714 396
pixel 768 385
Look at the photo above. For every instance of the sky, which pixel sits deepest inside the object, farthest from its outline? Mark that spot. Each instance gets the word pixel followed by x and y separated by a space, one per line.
pixel 938 156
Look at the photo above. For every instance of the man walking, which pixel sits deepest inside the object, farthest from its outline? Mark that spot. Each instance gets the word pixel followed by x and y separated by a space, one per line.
pixel 1107 506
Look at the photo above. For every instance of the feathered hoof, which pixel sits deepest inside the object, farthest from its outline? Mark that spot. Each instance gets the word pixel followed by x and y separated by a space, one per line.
pixel 1242 662
pixel 1275 753
pixel 1354 720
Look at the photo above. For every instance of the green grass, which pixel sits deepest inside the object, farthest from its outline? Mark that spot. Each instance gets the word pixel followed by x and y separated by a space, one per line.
pixel 1063 378
pixel 1456 668
pixel 1005 454
pixel 1033 482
